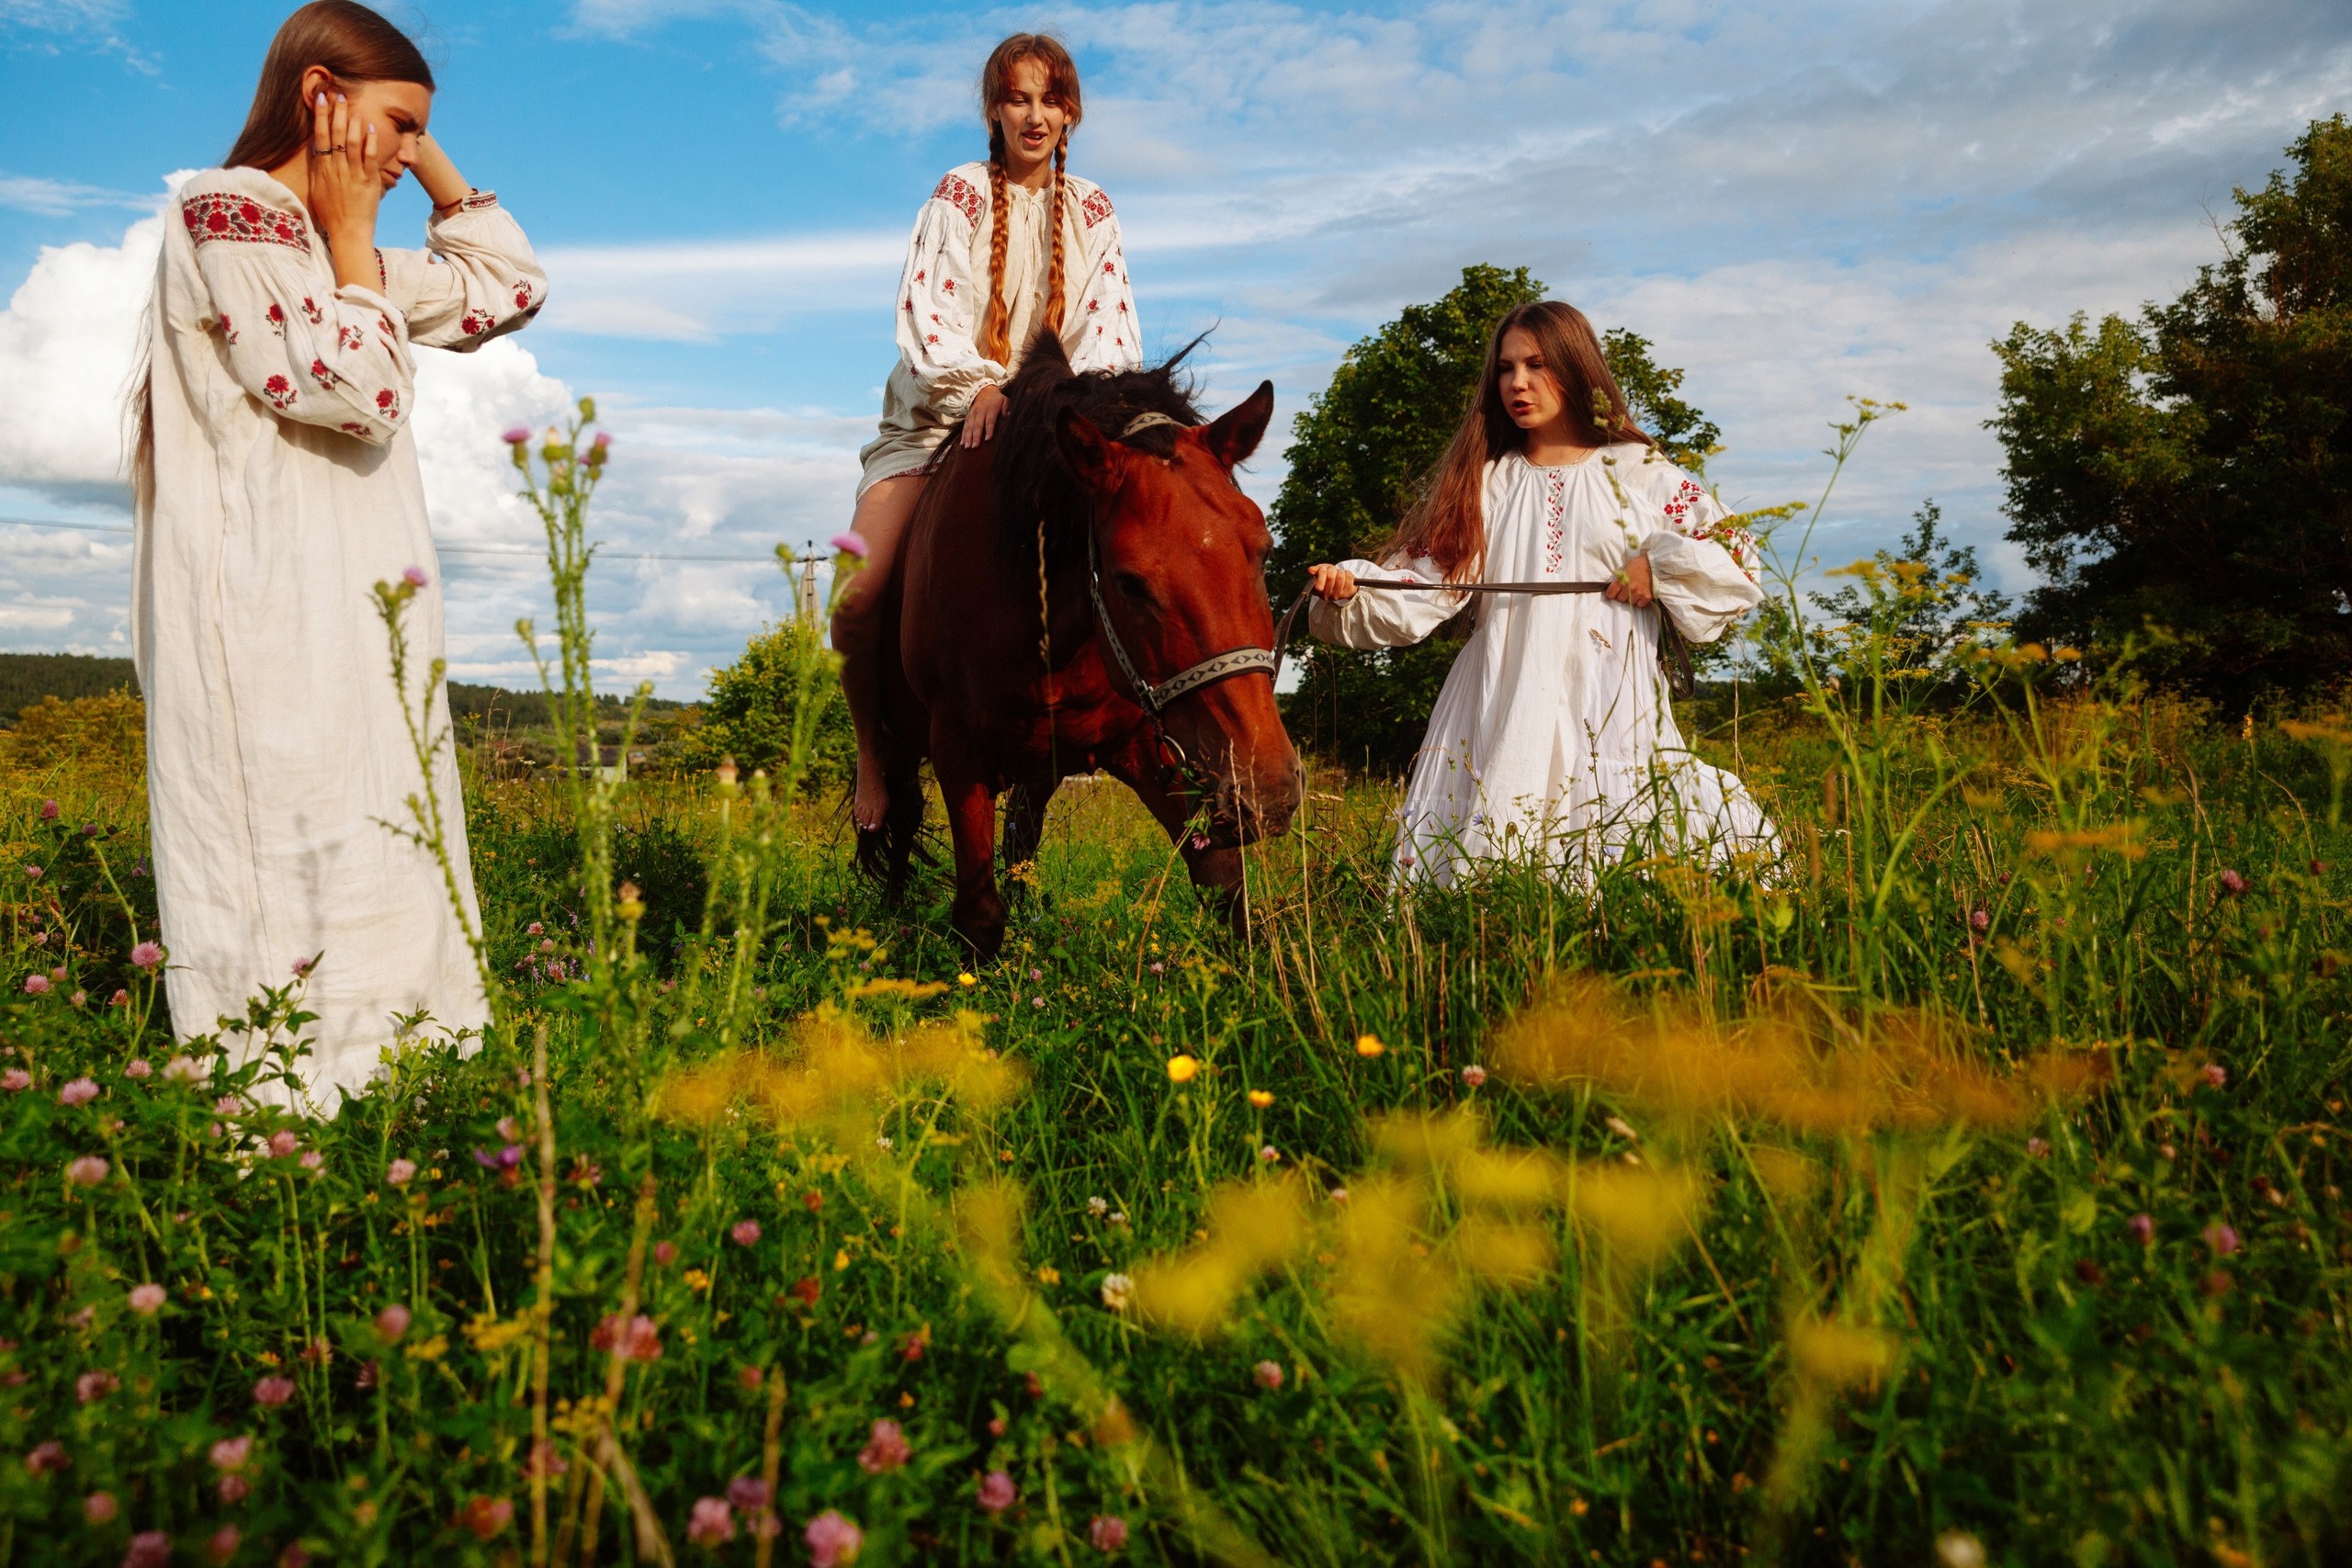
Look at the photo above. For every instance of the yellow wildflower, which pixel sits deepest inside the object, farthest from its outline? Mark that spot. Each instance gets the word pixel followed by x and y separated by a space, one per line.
pixel 1183 1068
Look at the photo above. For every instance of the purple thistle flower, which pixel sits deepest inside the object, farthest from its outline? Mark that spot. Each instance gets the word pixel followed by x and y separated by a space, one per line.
pixel 81 1091
pixel 851 543
pixel 745 1231
pixel 997 1492
pixel 2142 1229
pixel 414 577
pixel 712 1523
pixel 272 1391
pixel 147 955
pixel 2222 1238
pixel 1108 1532
pixel 832 1540
pixel 885 1451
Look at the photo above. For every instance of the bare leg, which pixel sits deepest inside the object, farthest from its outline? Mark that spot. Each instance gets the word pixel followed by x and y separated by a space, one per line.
pixel 881 521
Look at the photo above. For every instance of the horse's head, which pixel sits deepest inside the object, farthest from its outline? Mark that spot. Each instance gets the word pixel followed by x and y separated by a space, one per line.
pixel 1183 553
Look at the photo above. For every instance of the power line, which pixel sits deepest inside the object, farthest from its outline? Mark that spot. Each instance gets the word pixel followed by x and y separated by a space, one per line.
pixel 519 551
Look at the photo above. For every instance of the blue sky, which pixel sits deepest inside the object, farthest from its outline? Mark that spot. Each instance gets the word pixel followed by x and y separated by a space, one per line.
pixel 1796 201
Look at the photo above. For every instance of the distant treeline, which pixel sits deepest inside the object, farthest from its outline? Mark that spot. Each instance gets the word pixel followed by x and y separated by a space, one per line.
pixel 27 678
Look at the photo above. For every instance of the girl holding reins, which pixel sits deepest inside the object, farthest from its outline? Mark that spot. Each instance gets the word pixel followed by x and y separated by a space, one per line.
pixel 1553 739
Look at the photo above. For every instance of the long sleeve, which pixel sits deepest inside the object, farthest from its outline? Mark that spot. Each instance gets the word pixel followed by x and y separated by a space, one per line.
pixel 1376 619
pixel 1703 566
pixel 938 302
pixel 1113 338
pixel 475 280
pixel 312 352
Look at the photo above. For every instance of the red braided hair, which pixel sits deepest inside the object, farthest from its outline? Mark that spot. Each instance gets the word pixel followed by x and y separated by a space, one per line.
pixel 996 86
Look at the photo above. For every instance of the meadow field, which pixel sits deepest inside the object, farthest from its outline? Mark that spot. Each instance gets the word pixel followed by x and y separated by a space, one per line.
pixel 1963 1188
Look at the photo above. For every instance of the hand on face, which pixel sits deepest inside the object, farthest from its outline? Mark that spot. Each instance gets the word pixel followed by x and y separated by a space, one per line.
pixel 346 182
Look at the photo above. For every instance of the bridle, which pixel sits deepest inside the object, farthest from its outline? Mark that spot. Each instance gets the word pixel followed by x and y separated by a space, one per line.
pixel 1155 698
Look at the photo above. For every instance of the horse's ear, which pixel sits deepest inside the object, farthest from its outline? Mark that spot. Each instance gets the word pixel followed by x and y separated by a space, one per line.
pixel 1237 433
pixel 1084 450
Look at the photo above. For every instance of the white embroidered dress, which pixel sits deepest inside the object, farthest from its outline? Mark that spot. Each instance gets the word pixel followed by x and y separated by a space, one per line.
pixel 1552 739
pixel 943 300
pixel 285 487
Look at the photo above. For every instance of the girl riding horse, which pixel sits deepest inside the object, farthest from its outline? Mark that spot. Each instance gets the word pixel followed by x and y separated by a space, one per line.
pixel 1052 260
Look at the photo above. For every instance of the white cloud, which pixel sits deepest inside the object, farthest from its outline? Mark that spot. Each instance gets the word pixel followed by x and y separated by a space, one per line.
pixel 54 198
pixel 699 293
pixel 712 481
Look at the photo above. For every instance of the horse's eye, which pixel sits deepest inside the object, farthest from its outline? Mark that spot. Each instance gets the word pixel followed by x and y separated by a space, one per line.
pixel 1134 586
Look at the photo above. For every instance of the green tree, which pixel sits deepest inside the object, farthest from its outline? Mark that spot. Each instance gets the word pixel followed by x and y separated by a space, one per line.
pixel 1910 614
pixel 787 676
pixel 1359 451
pixel 2189 471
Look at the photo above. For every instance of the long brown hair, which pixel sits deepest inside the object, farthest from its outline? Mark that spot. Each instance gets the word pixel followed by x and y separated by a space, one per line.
pixel 1447 522
pixel 355 44
pixel 996 89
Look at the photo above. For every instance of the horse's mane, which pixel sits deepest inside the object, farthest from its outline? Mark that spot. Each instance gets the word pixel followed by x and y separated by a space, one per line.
pixel 1033 481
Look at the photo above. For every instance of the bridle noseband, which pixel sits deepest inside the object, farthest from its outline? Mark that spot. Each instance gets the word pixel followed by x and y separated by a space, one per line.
pixel 1154 699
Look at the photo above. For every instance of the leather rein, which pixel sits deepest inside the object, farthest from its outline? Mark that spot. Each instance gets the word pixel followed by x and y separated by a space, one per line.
pixel 1154 699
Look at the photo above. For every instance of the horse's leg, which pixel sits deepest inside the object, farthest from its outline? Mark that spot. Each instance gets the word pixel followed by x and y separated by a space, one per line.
pixel 1216 873
pixel 902 824
pixel 979 914
pixel 1024 829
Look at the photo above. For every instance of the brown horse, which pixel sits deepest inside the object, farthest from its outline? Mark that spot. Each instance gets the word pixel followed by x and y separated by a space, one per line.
pixel 1102 499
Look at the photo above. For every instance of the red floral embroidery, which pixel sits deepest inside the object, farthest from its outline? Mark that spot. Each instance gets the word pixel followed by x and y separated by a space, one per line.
pixel 1097 207
pixel 383 279
pixel 478 200
pixel 387 403
pixel 221 215
pixel 1111 267
pixel 276 321
pixel 228 332
pixel 351 337
pixel 920 272
pixel 932 338
pixel 313 311
pixel 947 285
pixel 321 375
pixel 478 322
pixel 1737 542
pixel 279 392
pixel 958 191
pixel 1093 305
pixel 352 427
pixel 523 298
pixel 386 323
pixel 1555 518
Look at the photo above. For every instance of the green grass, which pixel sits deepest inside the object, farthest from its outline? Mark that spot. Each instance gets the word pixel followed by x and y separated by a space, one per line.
pixel 2184 1403
pixel 1967 1184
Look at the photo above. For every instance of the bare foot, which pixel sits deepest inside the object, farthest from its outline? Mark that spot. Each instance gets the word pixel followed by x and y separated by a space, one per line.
pixel 873 800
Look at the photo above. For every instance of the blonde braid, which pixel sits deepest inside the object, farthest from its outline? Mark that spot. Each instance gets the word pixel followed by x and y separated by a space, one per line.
pixel 1053 272
pixel 996 329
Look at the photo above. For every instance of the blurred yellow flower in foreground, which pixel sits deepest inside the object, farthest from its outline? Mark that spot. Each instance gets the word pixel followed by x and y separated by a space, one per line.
pixel 1260 1098
pixel 1183 1068
pixel 1369 1045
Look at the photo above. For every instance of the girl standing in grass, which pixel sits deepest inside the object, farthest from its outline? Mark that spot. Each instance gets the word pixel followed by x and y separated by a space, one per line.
pixel 276 484
pixel 1552 738
pixel 1004 249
